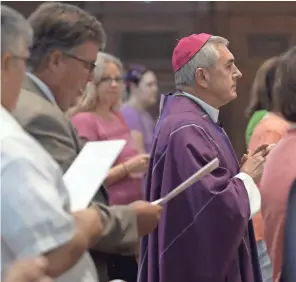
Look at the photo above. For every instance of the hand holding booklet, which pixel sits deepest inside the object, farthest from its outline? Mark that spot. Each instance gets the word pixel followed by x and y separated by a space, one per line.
pixel 85 176
pixel 208 168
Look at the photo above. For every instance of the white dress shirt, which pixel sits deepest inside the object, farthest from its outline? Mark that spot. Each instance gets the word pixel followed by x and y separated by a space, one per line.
pixel 35 207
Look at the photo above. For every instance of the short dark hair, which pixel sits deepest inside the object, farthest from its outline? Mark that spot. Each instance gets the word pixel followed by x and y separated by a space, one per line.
pixel 64 27
pixel 262 87
pixel 285 88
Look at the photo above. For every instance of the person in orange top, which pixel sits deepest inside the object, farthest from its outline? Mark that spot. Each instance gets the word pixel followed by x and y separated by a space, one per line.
pixel 280 167
pixel 269 130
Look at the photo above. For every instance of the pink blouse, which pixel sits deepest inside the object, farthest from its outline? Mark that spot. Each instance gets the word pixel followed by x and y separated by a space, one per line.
pixel 93 127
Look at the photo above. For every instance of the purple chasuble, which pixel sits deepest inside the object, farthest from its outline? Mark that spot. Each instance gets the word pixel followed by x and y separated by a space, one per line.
pixel 204 234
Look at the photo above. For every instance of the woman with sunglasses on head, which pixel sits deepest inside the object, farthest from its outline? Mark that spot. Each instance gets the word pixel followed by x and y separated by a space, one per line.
pixel 142 88
pixel 97 117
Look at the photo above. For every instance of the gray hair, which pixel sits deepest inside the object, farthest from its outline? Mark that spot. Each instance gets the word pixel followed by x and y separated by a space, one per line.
pixel 61 26
pixel 207 57
pixel 15 30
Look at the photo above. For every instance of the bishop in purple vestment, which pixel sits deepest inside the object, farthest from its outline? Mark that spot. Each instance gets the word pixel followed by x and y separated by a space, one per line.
pixel 205 234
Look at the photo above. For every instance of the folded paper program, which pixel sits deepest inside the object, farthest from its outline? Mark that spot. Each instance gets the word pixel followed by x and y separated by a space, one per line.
pixel 89 170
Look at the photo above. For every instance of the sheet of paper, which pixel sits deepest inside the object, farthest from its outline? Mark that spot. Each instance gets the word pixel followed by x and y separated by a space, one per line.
pixel 89 170
pixel 188 182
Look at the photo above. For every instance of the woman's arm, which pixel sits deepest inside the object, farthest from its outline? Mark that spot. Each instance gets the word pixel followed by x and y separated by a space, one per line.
pixel 133 167
pixel 116 174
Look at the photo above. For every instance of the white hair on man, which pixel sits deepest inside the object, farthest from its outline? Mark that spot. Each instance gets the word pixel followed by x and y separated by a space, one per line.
pixel 206 57
pixel 16 37
pixel 15 31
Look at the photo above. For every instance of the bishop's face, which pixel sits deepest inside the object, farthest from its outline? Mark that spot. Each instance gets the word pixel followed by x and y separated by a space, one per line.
pixel 223 77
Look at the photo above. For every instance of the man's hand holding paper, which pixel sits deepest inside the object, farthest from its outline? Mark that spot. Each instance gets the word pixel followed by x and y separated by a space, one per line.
pixel 148 216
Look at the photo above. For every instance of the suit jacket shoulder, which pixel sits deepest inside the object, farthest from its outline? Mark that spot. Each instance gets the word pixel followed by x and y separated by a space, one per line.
pixel 32 105
pixel 47 124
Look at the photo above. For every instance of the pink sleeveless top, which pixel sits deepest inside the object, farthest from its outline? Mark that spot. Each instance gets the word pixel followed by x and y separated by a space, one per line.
pixel 93 127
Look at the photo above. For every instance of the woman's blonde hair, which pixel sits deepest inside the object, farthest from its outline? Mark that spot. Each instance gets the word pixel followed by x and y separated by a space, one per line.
pixel 89 100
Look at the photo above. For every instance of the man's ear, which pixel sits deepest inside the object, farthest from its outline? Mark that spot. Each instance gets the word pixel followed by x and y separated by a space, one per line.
pixel 55 60
pixel 202 77
pixel 6 61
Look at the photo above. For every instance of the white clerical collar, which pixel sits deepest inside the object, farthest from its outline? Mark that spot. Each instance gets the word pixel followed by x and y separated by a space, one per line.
pixel 211 111
pixel 43 87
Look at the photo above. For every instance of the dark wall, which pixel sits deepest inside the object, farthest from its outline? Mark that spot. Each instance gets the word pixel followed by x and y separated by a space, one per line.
pixel 146 33
pixel 27 7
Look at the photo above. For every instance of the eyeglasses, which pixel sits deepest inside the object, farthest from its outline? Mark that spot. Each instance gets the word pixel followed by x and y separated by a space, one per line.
pixel 109 79
pixel 88 65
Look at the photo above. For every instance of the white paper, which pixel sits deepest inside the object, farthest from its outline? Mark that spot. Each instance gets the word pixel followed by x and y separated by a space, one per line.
pixel 188 182
pixel 89 170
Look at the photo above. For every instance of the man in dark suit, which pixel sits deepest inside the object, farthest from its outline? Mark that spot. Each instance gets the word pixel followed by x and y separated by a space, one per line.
pixel 289 258
pixel 64 49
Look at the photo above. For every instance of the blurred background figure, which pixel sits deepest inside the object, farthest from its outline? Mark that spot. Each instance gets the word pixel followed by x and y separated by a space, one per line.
pixel 142 91
pixel 30 270
pixel 266 126
pixel 97 118
pixel 280 168
pixel 261 99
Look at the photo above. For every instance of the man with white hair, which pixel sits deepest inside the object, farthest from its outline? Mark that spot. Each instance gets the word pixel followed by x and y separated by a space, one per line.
pixel 205 234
